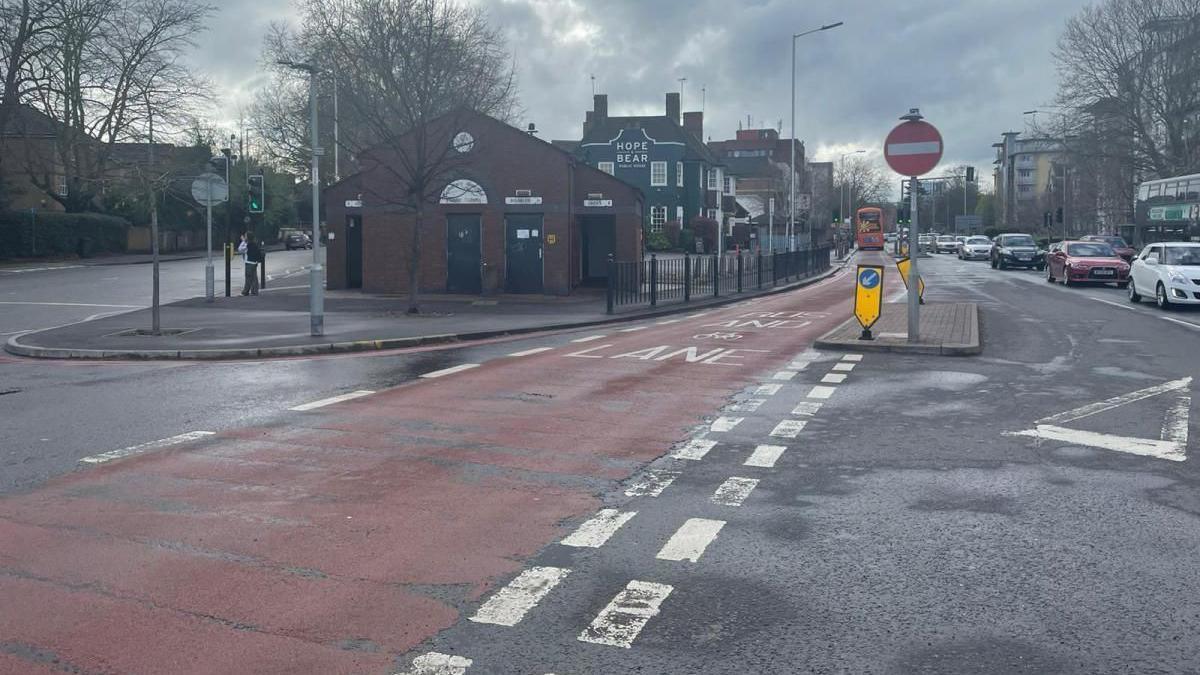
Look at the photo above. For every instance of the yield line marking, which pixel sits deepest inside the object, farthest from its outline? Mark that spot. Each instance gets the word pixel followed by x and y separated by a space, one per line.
pixel 788 428
pixel 144 447
pixel 808 408
pixel 724 423
pixel 594 532
pixel 852 357
pixel 450 371
pixel 531 352
pixel 690 540
pixel 734 491
pixel 436 663
pixel 834 378
pixel 765 456
pixel 589 338
pixel 620 622
pixel 651 484
pixel 695 449
pixel 509 605
pixel 821 392
pixel 785 375
pixel 843 367
pixel 331 400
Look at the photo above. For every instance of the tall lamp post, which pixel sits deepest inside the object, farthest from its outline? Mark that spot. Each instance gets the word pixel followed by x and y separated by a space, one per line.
pixel 792 180
pixel 842 198
pixel 316 283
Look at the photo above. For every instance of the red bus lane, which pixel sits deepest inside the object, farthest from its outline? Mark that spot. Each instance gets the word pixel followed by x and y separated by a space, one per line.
pixel 339 538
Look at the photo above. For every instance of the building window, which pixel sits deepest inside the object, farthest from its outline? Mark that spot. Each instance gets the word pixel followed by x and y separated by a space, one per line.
pixel 658 173
pixel 679 175
pixel 1025 173
pixel 729 185
pixel 1025 188
pixel 62 186
pixel 679 214
pixel 714 179
pixel 658 217
pixel 608 168
pixel 712 214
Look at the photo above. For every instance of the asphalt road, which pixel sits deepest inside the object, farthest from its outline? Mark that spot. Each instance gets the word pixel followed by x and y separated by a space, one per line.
pixel 909 525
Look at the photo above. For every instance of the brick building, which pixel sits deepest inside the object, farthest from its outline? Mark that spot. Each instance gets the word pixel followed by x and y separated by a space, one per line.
pixel 516 215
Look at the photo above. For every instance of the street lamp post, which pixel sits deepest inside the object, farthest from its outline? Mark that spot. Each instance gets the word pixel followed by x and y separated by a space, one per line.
pixel 792 145
pixel 316 286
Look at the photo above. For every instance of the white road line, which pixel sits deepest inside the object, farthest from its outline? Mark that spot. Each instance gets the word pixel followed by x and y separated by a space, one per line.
pixel 1118 305
pixel 331 400
pixel 589 338
pixel 809 408
pixel 651 484
pixel 798 365
pixel 734 491
pixel 788 428
pixel 1181 322
pixel 531 352
pixel 765 456
pixel 1146 447
pixel 785 375
pixel 144 447
pixel 852 357
pixel 724 423
pixel 668 322
pixel 436 663
pixel 821 392
pixel 633 330
pixel 1115 402
pixel 68 304
pixel 509 605
pixel 599 529
pixel 690 540
pixel 807 355
pixel 768 390
pixel 450 371
pixel 749 405
pixel 834 378
pixel 695 449
pixel 697 316
pixel 844 367
pixel 620 622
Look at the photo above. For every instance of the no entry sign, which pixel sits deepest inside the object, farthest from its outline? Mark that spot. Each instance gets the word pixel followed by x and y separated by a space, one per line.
pixel 913 148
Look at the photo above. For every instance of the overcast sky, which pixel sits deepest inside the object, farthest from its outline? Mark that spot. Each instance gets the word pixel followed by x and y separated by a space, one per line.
pixel 972 66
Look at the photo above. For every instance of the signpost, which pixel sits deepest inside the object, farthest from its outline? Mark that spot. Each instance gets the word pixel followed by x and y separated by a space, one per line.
pixel 209 189
pixel 868 298
pixel 903 264
pixel 913 149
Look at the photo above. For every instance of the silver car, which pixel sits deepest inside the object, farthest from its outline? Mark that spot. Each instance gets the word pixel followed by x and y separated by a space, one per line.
pixel 975 248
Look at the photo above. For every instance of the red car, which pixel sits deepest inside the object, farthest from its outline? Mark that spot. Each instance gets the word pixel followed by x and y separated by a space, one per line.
pixel 1092 262
pixel 1117 244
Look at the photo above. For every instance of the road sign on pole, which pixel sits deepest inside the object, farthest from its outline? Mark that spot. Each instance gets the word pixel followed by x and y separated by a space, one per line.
pixel 903 264
pixel 913 149
pixel 209 189
pixel 868 297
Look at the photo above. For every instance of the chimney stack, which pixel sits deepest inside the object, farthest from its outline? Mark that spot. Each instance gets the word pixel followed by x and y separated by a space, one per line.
pixel 694 122
pixel 600 107
pixel 588 122
pixel 673 106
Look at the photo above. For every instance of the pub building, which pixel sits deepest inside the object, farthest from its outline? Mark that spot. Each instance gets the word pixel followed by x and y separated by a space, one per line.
pixel 514 214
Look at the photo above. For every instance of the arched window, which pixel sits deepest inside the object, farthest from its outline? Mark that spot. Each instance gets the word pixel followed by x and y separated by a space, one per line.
pixel 463 191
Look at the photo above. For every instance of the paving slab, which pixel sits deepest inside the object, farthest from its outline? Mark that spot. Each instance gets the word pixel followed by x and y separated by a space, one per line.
pixel 947 329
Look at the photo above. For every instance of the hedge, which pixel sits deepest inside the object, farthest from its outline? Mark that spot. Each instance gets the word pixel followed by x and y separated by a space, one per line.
pixel 50 233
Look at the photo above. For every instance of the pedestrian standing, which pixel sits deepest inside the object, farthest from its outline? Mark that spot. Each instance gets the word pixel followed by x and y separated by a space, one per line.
pixel 251 257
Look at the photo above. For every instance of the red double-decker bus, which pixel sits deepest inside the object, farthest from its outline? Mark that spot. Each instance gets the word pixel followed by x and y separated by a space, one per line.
pixel 868 228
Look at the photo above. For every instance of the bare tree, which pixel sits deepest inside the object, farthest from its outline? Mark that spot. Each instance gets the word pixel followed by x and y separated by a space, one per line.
pixel 408 71
pixel 863 180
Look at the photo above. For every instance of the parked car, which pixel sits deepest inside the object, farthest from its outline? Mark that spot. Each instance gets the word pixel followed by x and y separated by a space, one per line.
pixel 975 248
pixel 1171 271
pixel 1016 250
pixel 1118 245
pixel 1082 262
pixel 945 244
pixel 297 240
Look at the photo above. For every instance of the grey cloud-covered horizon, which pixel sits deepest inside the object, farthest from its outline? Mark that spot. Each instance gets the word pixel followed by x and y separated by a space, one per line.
pixel 972 66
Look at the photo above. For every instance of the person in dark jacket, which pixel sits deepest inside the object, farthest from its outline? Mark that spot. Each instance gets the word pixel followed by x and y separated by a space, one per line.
pixel 251 256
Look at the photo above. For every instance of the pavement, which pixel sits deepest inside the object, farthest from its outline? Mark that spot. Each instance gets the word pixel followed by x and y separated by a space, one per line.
pixel 276 323
pixel 946 328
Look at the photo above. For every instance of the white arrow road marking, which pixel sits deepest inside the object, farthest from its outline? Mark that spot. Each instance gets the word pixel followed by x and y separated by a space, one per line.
pixel 509 605
pixel 695 449
pixel 734 491
pixel 594 532
pixel 620 622
pixel 690 540
pixel 436 663
pixel 144 447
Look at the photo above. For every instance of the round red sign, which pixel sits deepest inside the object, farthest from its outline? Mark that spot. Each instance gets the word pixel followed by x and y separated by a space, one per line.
pixel 913 148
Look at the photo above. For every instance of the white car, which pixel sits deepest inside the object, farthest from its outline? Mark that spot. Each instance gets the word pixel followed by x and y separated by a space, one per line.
pixel 975 248
pixel 1169 272
pixel 946 244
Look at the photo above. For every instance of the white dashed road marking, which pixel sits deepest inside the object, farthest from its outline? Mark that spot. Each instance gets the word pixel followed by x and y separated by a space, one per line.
pixel 765 456
pixel 768 390
pixel 668 322
pixel 799 365
pixel 589 338
pixel 734 491
pixel 145 447
pixel 633 330
pixel 436 663
pixel 808 408
pixel 333 399
pixel 450 371
pixel 785 375
pixel 788 428
pixel 852 357
pixel 594 532
pixel 695 449
pixel 843 367
pixel 531 352
pixel 651 484
pixel 834 378
pixel 724 423
pixel 821 392
pixel 690 540
pixel 749 405
pixel 620 622
pixel 509 605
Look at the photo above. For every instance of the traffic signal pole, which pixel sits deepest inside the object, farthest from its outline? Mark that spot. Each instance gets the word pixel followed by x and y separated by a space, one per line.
pixel 914 277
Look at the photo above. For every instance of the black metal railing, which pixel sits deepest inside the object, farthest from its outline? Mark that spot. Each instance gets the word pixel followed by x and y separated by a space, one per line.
pixel 680 279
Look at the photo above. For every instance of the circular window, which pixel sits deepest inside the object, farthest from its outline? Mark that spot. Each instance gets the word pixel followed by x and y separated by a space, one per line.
pixel 463 142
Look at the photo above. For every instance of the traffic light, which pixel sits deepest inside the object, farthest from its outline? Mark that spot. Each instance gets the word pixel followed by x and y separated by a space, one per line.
pixel 1058 215
pixel 255 194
